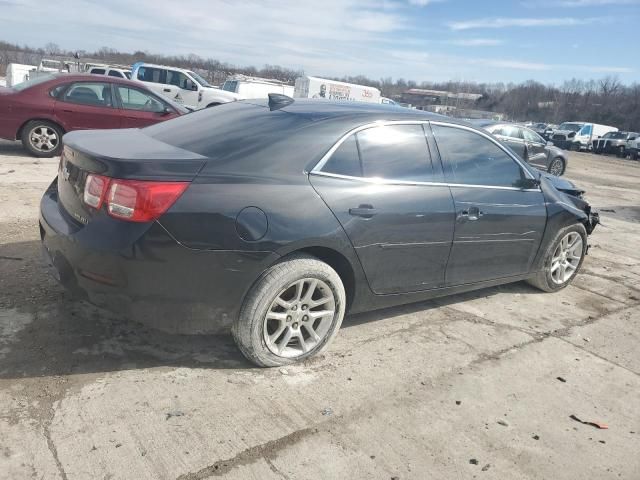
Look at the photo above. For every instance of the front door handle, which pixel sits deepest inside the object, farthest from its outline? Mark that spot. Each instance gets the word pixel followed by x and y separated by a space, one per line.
pixel 471 213
pixel 364 211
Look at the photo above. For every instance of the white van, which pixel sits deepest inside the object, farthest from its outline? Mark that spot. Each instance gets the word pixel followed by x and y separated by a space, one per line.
pixel 314 87
pixel 579 135
pixel 182 86
pixel 18 73
pixel 255 87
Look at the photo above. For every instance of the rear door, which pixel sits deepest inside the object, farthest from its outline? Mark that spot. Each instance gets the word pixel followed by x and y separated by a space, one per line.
pixel 387 194
pixel 88 105
pixel 499 221
pixel 139 108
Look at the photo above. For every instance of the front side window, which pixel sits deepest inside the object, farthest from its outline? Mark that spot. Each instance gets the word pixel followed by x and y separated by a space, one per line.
pixel 178 79
pixel 134 99
pixel 472 159
pixel 586 130
pixel 507 131
pixel 115 73
pixel 533 137
pixel 95 94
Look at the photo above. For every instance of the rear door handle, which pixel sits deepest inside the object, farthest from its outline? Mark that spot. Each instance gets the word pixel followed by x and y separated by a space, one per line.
pixel 364 211
pixel 471 213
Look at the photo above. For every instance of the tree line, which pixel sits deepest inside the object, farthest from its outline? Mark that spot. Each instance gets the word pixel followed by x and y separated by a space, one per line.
pixel 606 100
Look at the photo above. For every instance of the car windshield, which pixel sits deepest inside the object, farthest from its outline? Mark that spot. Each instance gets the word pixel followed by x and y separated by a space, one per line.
pixel 33 81
pixel 200 80
pixel 573 127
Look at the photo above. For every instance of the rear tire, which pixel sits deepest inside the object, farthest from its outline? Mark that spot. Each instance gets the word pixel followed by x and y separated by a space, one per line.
pixel 556 273
pixel 42 138
pixel 620 153
pixel 292 312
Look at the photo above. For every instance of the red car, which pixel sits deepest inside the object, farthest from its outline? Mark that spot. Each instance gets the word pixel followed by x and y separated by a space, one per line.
pixel 41 110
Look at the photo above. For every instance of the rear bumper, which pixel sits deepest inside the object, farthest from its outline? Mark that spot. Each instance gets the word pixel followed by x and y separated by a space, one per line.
pixel 154 280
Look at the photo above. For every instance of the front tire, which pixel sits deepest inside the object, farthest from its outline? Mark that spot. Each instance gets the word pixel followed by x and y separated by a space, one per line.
pixel 292 313
pixel 562 260
pixel 556 167
pixel 42 139
pixel 621 153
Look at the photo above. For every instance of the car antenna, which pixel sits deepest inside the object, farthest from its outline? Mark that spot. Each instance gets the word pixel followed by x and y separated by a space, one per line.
pixel 278 101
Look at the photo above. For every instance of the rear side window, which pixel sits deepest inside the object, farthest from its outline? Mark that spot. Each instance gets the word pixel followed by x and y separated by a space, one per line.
pixel 395 152
pixel 345 160
pixel 94 94
pixel 472 159
pixel 97 71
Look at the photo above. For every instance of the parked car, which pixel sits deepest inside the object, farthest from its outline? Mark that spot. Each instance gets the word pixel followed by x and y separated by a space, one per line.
pixel 182 86
pixel 545 130
pixel 41 110
pixel 110 71
pixel 529 145
pixel 579 135
pixel 633 147
pixel 256 217
pixel 614 142
pixel 254 87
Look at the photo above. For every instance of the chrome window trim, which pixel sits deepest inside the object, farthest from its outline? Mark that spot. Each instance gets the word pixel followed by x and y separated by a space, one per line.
pixel 317 170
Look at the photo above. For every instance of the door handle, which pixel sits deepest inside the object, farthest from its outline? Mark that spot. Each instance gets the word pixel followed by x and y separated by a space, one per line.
pixel 166 90
pixel 471 213
pixel 364 211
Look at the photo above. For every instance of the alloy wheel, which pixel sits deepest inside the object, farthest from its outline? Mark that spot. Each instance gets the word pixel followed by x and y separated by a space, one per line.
pixel 43 138
pixel 566 258
pixel 556 167
pixel 299 318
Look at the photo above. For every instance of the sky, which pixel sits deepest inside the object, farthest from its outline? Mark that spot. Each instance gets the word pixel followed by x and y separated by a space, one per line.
pixel 422 40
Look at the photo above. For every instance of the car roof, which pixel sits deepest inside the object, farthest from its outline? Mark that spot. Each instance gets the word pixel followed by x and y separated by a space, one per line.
pixel 79 77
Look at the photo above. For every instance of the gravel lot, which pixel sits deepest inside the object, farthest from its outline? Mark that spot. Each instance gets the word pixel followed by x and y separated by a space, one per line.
pixel 464 387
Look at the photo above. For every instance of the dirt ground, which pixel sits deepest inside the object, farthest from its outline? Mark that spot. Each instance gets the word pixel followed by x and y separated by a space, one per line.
pixel 479 385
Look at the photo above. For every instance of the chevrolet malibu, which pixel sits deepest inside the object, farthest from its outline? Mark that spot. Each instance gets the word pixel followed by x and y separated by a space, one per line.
pixel 273 218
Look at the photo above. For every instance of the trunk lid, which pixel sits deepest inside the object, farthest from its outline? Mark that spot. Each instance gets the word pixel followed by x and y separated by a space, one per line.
pixel 124 154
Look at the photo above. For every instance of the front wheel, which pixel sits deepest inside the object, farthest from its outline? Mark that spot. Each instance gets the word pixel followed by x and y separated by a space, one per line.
pixel 292 312
pixel 562 259
pixel 42 138
pixel 621 152
pixel 556 167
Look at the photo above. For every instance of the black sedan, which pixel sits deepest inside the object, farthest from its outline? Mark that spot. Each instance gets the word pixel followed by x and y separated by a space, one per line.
pixel 529 145
pixel 274 218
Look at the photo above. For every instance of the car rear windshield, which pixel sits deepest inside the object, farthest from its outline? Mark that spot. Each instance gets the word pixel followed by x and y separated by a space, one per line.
pixel 33 81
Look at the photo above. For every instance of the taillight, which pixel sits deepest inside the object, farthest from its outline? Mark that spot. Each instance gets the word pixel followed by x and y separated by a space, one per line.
pixel 132 200
pixel 95 189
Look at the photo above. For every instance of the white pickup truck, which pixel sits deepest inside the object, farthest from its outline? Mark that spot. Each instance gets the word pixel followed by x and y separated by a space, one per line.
pixel 182 86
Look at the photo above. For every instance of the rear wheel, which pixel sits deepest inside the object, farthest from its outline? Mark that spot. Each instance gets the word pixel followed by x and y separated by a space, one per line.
pixel 291 313
pixel 42 138
pixel 620 153
pixel 556 167
pixel 562 260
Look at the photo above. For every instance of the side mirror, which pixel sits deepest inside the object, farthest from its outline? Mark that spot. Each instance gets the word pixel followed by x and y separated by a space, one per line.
pixel 166 111
pixel 529 183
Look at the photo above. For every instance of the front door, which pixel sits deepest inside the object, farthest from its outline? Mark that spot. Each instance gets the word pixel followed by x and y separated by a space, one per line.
pixel 536 148
pixel 88 105
pixel 500 219
pixel 140 109
pixel 183 89
pixel 400 226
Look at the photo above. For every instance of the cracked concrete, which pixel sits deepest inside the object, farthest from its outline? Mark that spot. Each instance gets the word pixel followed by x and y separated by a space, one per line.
pixel 411 392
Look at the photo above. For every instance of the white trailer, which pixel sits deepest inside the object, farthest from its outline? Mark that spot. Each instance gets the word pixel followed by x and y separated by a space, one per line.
pixel 18 73
pixel 314 87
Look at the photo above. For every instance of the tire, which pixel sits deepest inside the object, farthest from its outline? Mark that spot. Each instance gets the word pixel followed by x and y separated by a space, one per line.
pixel 42 139
pixel 547 280
pixel 620 152
pixel 264 314
pixel 634 155
pixel 557 167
